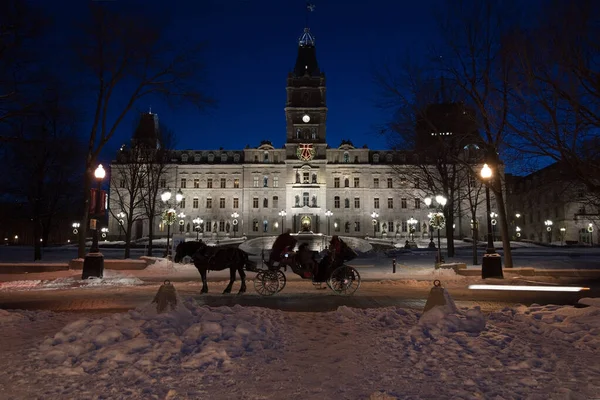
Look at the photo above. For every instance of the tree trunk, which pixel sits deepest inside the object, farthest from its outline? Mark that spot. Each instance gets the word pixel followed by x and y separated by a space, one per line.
pixel 128 239
pixel 497 189
pixel 475 237
pixel 450 231
pixel 83 226
pixel 150 236
pixel 46 231
pixel 37 233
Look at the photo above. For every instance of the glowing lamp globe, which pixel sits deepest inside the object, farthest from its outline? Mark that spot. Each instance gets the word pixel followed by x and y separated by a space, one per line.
pixel 100 173
pixel 179 196
pixel 427 201
pixel 166 196
pixel 306 118
pixel 486 172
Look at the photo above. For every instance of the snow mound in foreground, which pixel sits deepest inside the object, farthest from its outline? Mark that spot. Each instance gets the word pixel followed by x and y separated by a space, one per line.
pixel 70 283
pixel 190 337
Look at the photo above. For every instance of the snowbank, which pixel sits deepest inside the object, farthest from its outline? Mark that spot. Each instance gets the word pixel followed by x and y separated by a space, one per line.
pixel 247 352
pixel 110 279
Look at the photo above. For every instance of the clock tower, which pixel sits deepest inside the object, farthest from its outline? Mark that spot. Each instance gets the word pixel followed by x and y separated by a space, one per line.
pixel 306 109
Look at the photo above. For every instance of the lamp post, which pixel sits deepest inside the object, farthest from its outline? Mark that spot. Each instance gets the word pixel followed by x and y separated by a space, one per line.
pixel 121 221
pixel 282 214
pixel 197 222
pixel 437 221
pixel 169 214
pixel 411 227
pixel 491 266
pixel 76 226
pixel 235 217
pixel 493 217
pixel 93 263
pixel 181 217
pixel 104 233
pixel 518 230
pixel 328 214
pixel 562 235
pixel 374 215
pixel 548 224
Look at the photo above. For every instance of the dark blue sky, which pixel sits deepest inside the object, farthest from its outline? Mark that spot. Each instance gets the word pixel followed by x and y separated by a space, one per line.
pixel 251 47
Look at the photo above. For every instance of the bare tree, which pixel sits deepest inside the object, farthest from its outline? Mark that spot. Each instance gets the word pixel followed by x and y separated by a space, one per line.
pixel 127 178
pixel 157 172
pixel 128 53
pixel 429 118
pixel 43 163
pixel 472 190
pixel 557 91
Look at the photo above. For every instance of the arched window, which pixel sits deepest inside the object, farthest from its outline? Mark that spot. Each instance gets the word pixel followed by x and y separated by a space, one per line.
pixel 346 182
pixel 346 157
pixel 346 203
pixel 275 201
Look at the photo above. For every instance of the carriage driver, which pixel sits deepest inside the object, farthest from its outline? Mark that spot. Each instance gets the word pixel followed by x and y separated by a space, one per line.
pixel 284 242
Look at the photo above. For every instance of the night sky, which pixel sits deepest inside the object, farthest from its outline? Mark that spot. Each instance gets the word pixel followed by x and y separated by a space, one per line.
pixel 251 47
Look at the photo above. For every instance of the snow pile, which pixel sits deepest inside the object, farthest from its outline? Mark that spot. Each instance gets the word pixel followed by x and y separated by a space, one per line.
pixel 70 283
pixel 164 266
pixel 137 342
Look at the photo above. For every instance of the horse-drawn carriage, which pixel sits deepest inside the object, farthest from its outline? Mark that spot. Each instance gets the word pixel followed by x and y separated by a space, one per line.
pixel 340 278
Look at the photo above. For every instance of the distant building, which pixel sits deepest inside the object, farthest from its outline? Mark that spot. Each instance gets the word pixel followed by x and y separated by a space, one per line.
pixel 548 206
pixel 302 180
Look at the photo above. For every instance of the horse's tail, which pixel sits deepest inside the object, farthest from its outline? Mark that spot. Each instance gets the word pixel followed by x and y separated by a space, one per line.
pixel 248 263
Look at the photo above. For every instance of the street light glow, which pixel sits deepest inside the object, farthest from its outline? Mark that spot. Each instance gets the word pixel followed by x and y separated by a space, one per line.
pixel 427 201
pixel 179 196
pixel 529 288
pixel 100 173
pixel 166 196
pixel 486 172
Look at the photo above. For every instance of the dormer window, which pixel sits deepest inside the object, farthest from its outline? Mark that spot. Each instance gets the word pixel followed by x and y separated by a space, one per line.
pixel 346 157
pixel 211 158
pixel 236 158
pixel 375 158
pixel 223 157
pixel 197 158
pixel 388 157
pixel 184 157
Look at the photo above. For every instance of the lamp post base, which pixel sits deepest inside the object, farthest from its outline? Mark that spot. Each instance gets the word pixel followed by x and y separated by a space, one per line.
pixel 93 266
pixel 491 266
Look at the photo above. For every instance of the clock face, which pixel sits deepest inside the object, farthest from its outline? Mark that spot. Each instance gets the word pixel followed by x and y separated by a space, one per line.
pixel 306 118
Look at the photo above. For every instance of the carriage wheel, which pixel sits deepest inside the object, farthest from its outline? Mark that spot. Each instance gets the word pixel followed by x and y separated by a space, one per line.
pixel 282 280
pixel 266 283
pixel 344 280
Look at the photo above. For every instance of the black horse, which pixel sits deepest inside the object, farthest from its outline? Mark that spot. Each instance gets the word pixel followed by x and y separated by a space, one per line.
pixel 216 259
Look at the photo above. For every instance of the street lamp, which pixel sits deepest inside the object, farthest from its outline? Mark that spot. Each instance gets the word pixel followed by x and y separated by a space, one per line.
pixel 104 233
pixel 437 221
pixel 562 235
pixel 170 213
pixel 93 263
pixel 518 230
pixel 411 227
pixel 235 216
pixel 120 217
pixel 181 217
pixel 197 222
pixel 76 226
pixel 493 217
pixel 328 214
pixel 282 214
pixel 491 266
pixel 374 215
pixel 548 224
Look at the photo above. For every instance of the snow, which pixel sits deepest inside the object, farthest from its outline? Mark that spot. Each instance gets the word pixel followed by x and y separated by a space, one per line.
pixel 195 351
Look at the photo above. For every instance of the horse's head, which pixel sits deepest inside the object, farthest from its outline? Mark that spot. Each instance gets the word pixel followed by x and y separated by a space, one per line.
pixel 179 253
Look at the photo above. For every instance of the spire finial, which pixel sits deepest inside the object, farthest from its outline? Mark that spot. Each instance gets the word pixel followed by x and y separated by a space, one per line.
pixel 310 7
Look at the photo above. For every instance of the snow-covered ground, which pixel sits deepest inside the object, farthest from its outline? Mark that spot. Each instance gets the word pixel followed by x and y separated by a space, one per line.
pixel 228 353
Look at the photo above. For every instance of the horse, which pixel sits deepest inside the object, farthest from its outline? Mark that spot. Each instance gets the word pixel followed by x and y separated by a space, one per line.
pixel 216 259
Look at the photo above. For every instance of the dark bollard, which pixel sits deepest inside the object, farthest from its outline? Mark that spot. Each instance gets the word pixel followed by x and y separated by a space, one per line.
pixel 166 296
pixel 393 266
